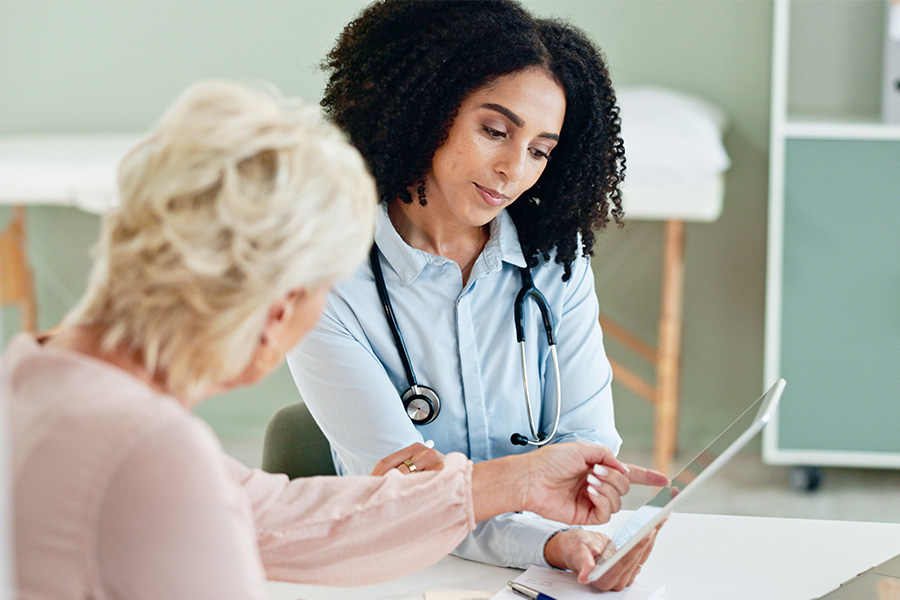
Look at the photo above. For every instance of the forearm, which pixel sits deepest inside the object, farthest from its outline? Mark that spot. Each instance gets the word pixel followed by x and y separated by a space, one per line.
pixel 499 486
pixel 355 531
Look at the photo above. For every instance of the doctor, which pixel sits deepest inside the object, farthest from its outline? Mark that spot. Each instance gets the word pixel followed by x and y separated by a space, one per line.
pixel 494 141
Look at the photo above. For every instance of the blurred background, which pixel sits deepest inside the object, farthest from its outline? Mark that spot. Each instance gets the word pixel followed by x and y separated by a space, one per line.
pixel 86 67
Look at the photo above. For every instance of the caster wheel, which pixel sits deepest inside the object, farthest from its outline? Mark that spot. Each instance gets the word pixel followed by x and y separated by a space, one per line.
pixel 806 479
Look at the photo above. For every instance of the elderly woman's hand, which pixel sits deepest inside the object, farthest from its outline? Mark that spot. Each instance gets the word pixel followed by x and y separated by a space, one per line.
pixel 412 459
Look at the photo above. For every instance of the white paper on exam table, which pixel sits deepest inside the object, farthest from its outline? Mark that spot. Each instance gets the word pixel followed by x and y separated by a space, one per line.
pixel 563 585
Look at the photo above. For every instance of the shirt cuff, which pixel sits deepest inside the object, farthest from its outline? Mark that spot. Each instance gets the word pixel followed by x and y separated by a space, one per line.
pixel 534 534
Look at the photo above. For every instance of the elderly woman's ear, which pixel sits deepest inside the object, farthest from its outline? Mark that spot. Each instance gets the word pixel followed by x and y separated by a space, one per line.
pixel 269 351
pixel 288 319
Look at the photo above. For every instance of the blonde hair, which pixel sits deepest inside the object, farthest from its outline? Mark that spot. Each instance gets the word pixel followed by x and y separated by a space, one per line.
pixel 234 199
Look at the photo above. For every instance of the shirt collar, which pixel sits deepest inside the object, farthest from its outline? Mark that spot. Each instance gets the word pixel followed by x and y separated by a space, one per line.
pixel 504 242
pixel 503 246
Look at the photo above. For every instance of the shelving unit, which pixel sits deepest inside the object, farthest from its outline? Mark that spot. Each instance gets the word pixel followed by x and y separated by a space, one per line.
pixel 833 278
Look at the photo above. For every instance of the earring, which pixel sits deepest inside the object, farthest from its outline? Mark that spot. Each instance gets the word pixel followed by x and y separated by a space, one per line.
pixel 420 192
pixel 269 355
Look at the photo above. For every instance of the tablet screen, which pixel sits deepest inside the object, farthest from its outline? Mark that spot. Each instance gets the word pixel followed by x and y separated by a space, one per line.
pixel 707 462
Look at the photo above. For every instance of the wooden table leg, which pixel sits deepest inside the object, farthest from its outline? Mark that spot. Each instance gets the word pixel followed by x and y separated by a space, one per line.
pixel 668 356
pixel 16 283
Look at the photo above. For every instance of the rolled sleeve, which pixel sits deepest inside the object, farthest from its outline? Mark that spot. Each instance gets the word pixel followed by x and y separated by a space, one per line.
pixel 510 540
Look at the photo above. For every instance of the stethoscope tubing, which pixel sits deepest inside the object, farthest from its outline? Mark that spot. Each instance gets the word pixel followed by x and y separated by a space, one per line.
pixel 528 290
pixel 389 315
pixel 540 440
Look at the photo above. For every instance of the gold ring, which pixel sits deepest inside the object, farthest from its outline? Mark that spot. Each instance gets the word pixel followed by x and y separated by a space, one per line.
pixel 410 465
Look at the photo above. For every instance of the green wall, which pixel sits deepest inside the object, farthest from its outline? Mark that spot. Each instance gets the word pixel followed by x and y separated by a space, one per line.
pixel 79 66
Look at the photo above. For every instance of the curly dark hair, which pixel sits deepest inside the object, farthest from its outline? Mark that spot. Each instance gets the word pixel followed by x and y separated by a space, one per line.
pixel 400 71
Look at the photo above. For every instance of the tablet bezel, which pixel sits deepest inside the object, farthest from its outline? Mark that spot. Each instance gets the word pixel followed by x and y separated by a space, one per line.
pixel 767 404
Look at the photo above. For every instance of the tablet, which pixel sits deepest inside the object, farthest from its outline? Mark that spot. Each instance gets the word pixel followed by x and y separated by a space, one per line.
pixel 692 476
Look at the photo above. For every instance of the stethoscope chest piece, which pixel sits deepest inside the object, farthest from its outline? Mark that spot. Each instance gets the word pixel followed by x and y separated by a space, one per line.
pixel 421 403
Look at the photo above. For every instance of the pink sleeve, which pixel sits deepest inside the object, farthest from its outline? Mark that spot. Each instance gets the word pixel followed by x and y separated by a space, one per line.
pixel 173 523
pixel 358 530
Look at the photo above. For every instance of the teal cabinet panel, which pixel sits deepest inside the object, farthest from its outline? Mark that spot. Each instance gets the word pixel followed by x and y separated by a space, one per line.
pixel 840 320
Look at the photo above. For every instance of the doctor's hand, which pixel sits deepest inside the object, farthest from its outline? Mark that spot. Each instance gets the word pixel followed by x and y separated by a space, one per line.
pixel 577 550
pixel 414 458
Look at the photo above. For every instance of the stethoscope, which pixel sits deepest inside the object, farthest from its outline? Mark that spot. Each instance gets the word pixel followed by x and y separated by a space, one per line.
pixel 422 404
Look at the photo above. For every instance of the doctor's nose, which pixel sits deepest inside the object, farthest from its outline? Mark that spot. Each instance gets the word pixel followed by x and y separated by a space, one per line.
pixel 512 164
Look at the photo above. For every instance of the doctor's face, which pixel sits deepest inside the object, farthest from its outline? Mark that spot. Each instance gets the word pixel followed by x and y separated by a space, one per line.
pixel 497 147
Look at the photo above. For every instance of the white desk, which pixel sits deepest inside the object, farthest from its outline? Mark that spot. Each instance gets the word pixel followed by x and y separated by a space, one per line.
pixel 698 557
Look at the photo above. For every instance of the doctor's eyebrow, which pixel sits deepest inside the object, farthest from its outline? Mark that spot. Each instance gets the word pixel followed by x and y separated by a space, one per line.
pixel 516 119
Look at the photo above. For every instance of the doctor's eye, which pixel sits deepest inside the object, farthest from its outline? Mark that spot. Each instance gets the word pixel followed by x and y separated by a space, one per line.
pixel 492 133
pixel 539 153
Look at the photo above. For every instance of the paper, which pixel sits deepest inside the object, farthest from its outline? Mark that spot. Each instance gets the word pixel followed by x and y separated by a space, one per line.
pixel 454 595
pixel 563 585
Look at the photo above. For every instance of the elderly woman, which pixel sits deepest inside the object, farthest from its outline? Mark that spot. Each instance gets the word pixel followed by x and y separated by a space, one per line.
pixel 238 213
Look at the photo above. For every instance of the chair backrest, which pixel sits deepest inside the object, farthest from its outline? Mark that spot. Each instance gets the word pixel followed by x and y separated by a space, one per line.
pixel 295 445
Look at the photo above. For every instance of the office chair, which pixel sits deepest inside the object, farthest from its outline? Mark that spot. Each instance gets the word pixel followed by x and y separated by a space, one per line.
pixel 295 445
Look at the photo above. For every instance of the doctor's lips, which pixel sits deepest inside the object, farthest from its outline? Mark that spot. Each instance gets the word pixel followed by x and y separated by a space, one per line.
pixel 492 197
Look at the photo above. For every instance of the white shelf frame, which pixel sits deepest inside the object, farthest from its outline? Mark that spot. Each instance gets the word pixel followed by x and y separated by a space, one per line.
pixel 847 129
pixel 786 127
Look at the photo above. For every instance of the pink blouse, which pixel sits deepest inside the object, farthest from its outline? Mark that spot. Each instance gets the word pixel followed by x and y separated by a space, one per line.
pixel 121 492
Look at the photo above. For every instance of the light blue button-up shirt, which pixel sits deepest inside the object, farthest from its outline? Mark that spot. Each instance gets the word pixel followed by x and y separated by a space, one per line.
pixel 462 343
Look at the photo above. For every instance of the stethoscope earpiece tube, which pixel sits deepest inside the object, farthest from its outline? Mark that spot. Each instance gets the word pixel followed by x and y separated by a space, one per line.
pixel 529 290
